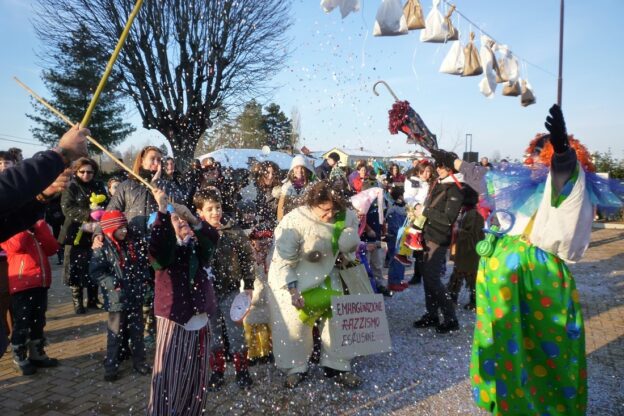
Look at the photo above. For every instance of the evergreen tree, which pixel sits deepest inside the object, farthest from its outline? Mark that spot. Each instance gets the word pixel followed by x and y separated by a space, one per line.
pixel 74 68
pixel 251 127
pixel 278 128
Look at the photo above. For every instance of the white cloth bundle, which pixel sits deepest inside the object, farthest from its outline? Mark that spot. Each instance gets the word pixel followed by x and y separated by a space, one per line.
pixel 346 6
pixel 487 86
pixel 453 62
pixel 436 28
pixel 390 20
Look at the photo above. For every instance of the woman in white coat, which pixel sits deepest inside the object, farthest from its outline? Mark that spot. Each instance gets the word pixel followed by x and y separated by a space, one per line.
pixel 308 243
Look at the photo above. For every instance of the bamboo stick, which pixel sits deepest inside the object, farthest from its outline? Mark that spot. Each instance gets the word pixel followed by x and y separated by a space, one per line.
pixel 91 139
pixel 111 62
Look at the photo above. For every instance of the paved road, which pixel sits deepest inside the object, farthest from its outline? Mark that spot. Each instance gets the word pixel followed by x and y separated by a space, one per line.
pixel 426 374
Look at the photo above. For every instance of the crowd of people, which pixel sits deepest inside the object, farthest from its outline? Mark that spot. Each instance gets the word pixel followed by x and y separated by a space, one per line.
pixel 173 264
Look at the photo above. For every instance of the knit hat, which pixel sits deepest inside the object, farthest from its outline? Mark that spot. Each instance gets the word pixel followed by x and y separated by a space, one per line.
pixel 299 160
pixel 112 220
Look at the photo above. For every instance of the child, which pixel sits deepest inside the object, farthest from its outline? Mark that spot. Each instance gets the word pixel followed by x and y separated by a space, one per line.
pixel 232 261
pixel 29 280
pixel 416 191
pixel 257 331
pixel 395 218
pixel 183 300
pixel 114 267
pixel 470 226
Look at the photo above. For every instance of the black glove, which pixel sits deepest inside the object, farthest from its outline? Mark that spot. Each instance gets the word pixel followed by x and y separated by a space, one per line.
pixel 444 158
pixel 555 124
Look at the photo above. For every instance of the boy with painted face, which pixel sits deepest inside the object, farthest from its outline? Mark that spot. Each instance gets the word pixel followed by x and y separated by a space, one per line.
pixel 231 263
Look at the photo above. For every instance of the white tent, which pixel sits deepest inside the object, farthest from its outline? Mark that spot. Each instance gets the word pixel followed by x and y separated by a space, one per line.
pixel 243 158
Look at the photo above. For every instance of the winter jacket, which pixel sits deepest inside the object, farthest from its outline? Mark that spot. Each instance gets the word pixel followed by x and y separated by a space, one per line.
pixel 232 261
pixel 372 222
pixel 182 285
pixel 303 249
pixel 20 185
pixel 469 232
pixel 290 198
pixel 27 254
pixel 416 190
pixel 395 217
pixel 76 208
pixel 441 209
pixel 122 286
pixel 266 208
pixel 323 170
pixel 137 203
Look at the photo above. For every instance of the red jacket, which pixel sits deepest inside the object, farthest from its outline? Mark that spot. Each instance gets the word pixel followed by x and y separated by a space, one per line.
pixel 27 254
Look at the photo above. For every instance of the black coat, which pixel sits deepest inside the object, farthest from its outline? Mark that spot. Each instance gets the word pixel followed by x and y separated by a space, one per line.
pixel 323 170
pixel 76 208
pixel 441 209
pixel 19 186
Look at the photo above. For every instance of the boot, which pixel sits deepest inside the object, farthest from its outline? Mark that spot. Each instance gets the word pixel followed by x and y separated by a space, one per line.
pixel 38 356
pixel 92 298
pixel 77 299
pixel 243 379
pixel 20 358
pixel 217 365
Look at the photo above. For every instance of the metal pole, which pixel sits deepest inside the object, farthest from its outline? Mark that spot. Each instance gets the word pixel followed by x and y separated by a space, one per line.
pixel 560 79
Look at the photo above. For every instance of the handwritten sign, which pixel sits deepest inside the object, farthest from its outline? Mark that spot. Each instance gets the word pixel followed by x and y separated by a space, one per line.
pixel 359 325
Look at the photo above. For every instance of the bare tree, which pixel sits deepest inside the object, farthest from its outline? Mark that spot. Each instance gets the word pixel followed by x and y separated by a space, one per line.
pixel 184 59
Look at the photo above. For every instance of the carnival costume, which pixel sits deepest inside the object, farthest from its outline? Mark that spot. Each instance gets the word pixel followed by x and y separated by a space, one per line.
pixel 528 354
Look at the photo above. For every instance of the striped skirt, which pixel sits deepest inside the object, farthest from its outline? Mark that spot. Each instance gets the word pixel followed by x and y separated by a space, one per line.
pixel 181 370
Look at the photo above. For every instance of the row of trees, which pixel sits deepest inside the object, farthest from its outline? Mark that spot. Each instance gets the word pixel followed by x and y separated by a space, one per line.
pixel 185 64
pixel 254 127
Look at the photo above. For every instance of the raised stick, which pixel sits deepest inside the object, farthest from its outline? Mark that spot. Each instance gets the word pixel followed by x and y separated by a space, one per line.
pixel 111 62
pixel 91 139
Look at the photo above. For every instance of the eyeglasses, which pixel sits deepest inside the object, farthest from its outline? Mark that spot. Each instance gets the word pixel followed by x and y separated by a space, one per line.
pixel 86 172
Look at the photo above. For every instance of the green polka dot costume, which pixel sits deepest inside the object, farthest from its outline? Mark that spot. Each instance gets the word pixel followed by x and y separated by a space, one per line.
pixel 528 353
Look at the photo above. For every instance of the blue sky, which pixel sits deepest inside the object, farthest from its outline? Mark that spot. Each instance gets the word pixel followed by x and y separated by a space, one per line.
pixel 335 62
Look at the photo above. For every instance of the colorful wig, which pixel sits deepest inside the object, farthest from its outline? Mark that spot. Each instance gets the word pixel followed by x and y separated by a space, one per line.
pixel 540 152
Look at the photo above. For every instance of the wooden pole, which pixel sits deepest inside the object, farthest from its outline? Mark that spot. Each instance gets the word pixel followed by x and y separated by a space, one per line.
pixel 111 62
pixel 560 78
pixel 91 139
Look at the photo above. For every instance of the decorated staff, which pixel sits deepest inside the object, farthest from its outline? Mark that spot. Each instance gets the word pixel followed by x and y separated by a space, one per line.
pixel 91 139
pixel 96 95
pixel 403 118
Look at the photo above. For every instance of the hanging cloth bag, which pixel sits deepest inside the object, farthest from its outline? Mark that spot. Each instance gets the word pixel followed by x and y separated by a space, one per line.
pixel 453 34
pixel 472 64
pixel 346 6
pixel 453 62
pixel 527 97
pixel 390 20
pixel 414 15
pixel 512 89
pixel 507 65
pixel 487 86
pixel 436 29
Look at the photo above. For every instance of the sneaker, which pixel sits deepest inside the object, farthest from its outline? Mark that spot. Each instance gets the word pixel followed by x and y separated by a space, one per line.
pixel 348 380
pixel 293 380
pixel 215 382
pixel 243 379
pixel 447 327
pixel 426 322
pixel 414 241
pixel 142 369
pixel 396 287
pixel 403 260
pixel 384 291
